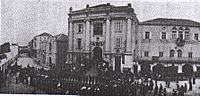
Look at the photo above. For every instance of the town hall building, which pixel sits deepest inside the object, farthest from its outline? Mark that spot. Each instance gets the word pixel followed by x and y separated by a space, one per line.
pixel 103 31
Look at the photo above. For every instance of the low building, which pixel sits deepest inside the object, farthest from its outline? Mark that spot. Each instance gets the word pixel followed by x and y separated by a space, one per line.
pixel 48 50
pixel 56 50
pixel 38 47
pixel 32 45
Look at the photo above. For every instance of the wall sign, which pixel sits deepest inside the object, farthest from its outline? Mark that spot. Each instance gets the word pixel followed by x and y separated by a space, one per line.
pixel 96 43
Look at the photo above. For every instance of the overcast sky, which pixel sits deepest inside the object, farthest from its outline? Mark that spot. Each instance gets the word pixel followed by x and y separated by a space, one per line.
pixel 23 19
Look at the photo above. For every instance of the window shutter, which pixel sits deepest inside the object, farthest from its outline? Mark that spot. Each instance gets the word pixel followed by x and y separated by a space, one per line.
pixel 160 35
pixel 143 35
pixel 150 35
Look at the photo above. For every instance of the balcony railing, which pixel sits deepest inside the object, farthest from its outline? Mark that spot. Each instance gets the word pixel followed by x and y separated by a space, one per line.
pixel 170 59
pixel 166 41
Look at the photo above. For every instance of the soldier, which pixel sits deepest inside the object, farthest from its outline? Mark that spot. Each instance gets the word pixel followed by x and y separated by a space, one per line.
pixel 194 80
pixel 185 88
pixel 177 86
pixel 190 86
pixel 164 92
pixel 1 78
pixel 17 77
pixel 161 87
pixel 181 91
pixel 174 93
pixel 156 90
pixel 26 78
pixel 151 84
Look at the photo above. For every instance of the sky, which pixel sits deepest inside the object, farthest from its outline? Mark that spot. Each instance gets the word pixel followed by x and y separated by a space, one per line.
pixel 21 20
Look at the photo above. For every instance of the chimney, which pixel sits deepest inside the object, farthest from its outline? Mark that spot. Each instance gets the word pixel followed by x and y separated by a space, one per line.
pixel 129 4
pixel 87 6
pixel 70 9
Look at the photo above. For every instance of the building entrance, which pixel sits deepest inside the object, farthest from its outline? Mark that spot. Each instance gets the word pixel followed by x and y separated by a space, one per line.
pixel 97 53
pixel 118 63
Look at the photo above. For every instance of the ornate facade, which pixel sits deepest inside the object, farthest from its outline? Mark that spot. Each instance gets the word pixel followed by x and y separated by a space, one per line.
pixel 105 31
pixel 127 43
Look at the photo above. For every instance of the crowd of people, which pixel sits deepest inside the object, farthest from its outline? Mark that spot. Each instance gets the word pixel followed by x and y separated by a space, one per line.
pixel 72 81
pixel 55 82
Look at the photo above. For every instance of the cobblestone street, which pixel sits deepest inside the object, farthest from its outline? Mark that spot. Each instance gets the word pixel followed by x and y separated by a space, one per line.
pixel 10 87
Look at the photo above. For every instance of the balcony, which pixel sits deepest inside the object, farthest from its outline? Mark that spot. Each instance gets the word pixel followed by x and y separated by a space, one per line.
pixel 170 59
pixel 146 40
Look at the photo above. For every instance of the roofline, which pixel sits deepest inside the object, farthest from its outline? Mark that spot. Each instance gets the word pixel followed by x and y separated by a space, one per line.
pixel 141 23
pixel 168 25
pixel 109 9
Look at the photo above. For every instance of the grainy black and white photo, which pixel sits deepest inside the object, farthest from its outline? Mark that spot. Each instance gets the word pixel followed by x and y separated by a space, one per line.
pixel 100 47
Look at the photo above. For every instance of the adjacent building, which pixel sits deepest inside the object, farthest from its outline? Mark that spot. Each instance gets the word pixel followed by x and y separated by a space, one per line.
pixel 48 50
pixel 57 47
pixel 104 32
pixel 41 46
pixel 169 41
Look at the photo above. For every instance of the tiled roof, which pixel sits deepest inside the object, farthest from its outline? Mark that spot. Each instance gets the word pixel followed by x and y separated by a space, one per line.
pixel 61 37
pixel 171 22
pixel 45 34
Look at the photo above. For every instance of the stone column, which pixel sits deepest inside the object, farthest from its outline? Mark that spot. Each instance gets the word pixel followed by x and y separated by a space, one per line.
pixel 70 35
pixel 176 34
pixel 107 34
pixel 87 33
pixel 128 36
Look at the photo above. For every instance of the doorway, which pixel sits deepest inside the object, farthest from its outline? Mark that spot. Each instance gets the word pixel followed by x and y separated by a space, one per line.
pixel 118 63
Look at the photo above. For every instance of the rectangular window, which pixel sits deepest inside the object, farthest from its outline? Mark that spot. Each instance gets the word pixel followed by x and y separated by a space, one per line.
pixel 123 59
pixel 179 53
pixel 187 35
pixel 118 26
pixel 147 35
pixel 79 43
pixel 49 46
pixel 189 54
pixel 146 53
pixel 80 28
pixel 171 53
pixel 174 34
pixel 160 54
pixel 50 60
pixel 118 42
pixel 164 35
pixel 98 28
pixel 196 36
pixel 35 45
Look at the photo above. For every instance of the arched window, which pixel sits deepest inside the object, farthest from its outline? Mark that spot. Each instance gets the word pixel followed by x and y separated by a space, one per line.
pixel 187 33
pixel 180 29
pixel 179 53
pixel 174 34
pixel 180 33
pixel 187 29
pixel 50 46
pixel 172 53
pixel 174 28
